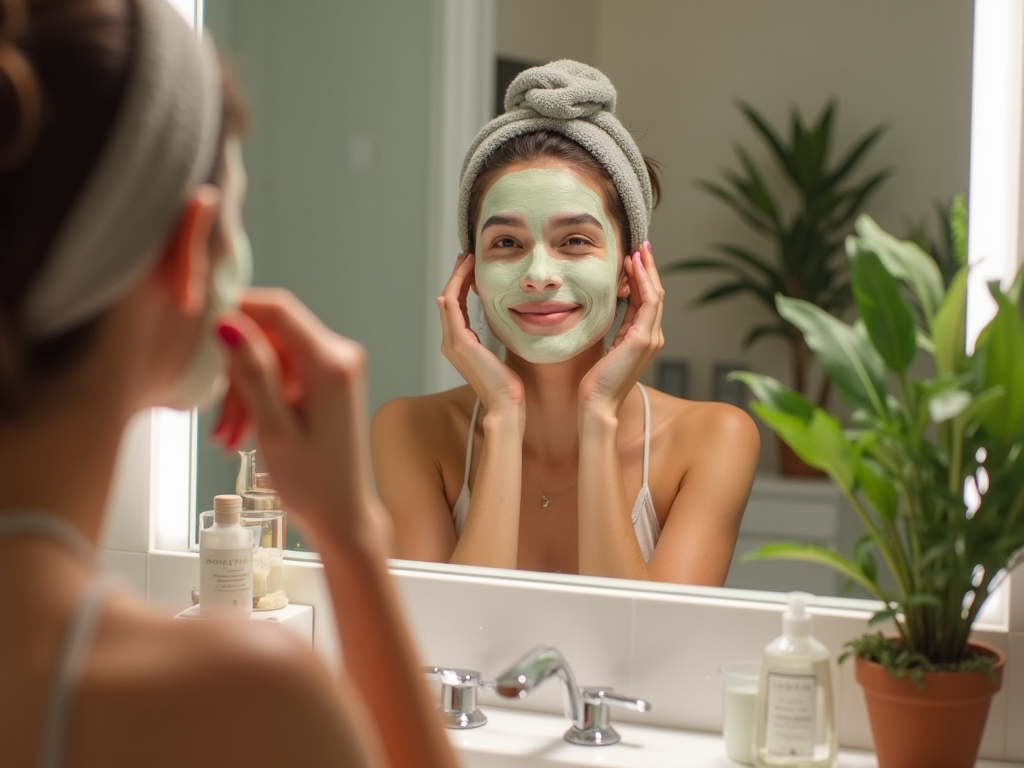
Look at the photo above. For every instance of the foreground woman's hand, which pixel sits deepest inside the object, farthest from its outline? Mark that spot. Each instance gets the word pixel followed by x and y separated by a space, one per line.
pixel 497 386
pixel 637 342
pixel 301 388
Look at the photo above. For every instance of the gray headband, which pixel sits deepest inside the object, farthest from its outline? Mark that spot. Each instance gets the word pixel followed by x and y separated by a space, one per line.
pixel 162 145
pixel 578 102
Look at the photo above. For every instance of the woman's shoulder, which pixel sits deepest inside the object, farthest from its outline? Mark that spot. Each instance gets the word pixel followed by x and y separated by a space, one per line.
pixel 237 672
pixel 707 420
pixel 430 416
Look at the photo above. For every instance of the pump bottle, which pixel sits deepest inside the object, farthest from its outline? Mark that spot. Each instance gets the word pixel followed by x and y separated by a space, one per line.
pixel 225 562
pixel 795 719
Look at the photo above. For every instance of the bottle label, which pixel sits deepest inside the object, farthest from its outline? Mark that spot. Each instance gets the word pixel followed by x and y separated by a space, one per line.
pixel 225 580
pixel 791 715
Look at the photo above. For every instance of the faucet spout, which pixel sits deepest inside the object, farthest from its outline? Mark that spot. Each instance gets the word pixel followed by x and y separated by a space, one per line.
pixel 536 667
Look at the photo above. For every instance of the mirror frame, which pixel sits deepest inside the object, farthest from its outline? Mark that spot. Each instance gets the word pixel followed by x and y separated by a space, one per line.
pixel 461 72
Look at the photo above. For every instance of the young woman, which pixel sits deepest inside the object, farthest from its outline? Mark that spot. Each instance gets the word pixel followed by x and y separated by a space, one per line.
pixel 121 188
pixel 556 458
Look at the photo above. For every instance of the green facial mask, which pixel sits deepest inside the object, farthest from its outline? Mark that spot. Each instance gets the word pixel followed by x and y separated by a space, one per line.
pixel 589 281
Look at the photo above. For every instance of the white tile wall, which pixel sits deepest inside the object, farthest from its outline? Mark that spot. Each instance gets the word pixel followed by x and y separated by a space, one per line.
pixel 131 566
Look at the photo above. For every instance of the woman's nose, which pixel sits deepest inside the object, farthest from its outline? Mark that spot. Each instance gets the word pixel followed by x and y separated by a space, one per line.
pixel 542 273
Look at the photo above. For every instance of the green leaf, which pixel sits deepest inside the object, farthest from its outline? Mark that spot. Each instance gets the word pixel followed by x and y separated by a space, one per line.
pixel 877 488
pixel 782 155
pixel 768 329
pixel 751 217
pixel 819 441
pixel 853 157
pixel 754 188
pixel 773 394
pixel 814 553
pixel 740 285
pixel 948 328
pixel 905 261
pixel 947 405
pixel 1003 366
pixel 958 230
pixel 886 316
pixel 855 368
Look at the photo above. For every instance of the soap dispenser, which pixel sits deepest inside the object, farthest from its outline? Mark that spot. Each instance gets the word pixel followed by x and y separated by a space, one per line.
pixel 225 562
pixel 795 718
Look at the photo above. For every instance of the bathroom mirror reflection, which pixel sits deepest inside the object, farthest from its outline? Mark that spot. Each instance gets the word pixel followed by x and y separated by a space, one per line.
pixel 340 153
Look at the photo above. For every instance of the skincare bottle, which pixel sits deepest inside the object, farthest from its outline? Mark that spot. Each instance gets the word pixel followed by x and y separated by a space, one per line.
pixel 225 562
pixel 795 721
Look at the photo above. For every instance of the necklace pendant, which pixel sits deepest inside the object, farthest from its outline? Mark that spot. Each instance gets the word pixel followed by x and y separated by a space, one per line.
pixel 544 501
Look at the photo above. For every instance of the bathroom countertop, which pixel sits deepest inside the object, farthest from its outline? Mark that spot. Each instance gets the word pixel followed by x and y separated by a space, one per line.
pixel 513 739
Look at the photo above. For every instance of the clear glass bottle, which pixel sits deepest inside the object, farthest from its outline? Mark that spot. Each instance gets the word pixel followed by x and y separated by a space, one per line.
pixel 225 562
pixel 795 718
pixel 262 513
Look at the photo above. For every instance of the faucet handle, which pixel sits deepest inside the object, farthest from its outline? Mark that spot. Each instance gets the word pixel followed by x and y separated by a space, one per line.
pixel 458 707
pixel 597 729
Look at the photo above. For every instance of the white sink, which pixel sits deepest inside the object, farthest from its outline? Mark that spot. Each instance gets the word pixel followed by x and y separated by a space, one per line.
pixel 517 739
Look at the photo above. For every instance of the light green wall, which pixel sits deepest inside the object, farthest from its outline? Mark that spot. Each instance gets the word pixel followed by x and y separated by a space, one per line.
pixel 350 242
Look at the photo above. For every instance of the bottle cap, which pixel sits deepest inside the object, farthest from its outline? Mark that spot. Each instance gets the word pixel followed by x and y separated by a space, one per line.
pixel 796 621
pixel 226 508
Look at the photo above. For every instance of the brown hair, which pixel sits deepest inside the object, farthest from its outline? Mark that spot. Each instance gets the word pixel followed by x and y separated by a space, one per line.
pixel 64 65
pixel 545 144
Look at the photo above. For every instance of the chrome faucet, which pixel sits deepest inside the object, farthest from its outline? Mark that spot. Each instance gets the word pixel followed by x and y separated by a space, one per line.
pixel 587 708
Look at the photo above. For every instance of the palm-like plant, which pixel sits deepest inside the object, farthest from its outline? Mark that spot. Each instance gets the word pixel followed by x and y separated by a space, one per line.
pixel 803 258
pixel 932 466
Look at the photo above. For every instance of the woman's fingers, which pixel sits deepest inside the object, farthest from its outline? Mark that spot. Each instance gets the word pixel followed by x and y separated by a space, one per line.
pixel 255 377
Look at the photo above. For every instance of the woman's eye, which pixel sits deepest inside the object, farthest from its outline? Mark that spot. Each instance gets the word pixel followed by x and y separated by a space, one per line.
pixel 578 242
pixel 505 242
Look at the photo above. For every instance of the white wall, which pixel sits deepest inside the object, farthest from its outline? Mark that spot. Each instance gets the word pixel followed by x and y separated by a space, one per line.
pixel 681 65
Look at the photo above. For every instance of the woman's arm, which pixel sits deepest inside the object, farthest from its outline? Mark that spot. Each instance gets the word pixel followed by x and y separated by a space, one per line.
pixel 303 389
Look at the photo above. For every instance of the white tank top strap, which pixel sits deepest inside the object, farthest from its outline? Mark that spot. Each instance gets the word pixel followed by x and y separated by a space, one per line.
pixel 647 429
pixel 81 628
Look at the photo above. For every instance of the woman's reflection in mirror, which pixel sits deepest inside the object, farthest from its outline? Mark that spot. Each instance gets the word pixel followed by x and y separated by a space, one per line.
pixel 556 458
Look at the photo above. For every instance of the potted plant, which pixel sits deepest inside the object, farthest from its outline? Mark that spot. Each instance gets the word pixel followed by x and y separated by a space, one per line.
pixel 803 253
pixel 932 467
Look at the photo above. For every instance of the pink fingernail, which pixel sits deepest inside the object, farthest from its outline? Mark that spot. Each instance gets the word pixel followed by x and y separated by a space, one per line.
pixel 647 244
pixel 229 334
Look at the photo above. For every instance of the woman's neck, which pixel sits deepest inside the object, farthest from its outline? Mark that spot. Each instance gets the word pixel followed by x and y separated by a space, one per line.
pixel 60 459
pixel 552 399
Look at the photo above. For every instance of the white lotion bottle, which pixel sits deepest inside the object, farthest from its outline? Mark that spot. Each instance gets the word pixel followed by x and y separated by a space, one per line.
pixel 794 725
pixel 225 562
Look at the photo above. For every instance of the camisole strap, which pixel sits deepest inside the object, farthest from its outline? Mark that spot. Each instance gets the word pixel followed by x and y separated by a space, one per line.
pixel 74 650
pixel 51 526
pixel 647 430
pixel 469 444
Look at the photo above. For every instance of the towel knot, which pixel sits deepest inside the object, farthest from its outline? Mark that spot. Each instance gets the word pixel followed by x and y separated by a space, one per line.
pixel 564 90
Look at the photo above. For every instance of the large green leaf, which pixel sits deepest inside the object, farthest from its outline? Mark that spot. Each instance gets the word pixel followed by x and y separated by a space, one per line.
pixel 855 368
pixel 815 553
pixel 948 327
pixel 877 487
pixel 776 395
pixel 819 441
pixel 904 260
pixel 958 230
pixel 1003 366
pixel 886 316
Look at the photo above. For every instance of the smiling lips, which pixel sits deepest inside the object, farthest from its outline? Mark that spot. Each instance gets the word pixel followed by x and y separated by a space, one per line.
pixel 542 314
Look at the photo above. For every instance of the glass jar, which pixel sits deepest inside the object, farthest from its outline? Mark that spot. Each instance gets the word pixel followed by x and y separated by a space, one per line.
pixel 262 513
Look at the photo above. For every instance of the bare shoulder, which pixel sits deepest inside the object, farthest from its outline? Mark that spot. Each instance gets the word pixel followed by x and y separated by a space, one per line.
pixel 425 418
pixel 244 691
pixel 704 427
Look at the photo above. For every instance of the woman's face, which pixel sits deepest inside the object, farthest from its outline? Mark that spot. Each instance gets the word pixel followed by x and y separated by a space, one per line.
pixel 548 268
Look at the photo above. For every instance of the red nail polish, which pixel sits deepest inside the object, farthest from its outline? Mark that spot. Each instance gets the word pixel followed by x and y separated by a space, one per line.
pixel 229 334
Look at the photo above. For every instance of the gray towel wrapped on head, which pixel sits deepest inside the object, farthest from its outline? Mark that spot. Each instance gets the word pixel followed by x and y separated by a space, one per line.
pixel 577 101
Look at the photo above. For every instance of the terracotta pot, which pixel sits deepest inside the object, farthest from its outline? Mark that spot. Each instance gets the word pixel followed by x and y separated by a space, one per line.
pixel 791 465
pixel 937 727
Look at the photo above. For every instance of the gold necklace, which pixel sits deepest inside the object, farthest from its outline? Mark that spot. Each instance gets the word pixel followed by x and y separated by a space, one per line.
pixel 547 499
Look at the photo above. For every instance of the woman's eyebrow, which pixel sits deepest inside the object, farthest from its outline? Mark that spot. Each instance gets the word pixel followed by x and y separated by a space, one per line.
pixel 499 220
pixel 575 220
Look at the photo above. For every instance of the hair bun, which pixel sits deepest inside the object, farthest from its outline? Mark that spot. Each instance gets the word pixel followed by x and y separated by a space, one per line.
pixel 20 98
pixel 564 90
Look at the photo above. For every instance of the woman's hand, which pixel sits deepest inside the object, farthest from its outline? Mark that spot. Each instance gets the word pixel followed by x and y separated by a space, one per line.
pixel 302 388
pixel 638 340
pixel 497 386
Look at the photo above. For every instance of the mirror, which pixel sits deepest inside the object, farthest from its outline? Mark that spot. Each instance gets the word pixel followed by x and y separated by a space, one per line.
pixel 340 151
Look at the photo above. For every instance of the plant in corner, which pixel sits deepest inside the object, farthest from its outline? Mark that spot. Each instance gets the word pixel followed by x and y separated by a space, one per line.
pixel 933 468
pixel 803 255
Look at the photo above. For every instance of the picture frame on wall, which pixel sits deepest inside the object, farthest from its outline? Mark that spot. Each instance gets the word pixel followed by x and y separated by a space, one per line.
pixel 725 391
pixel 673 377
